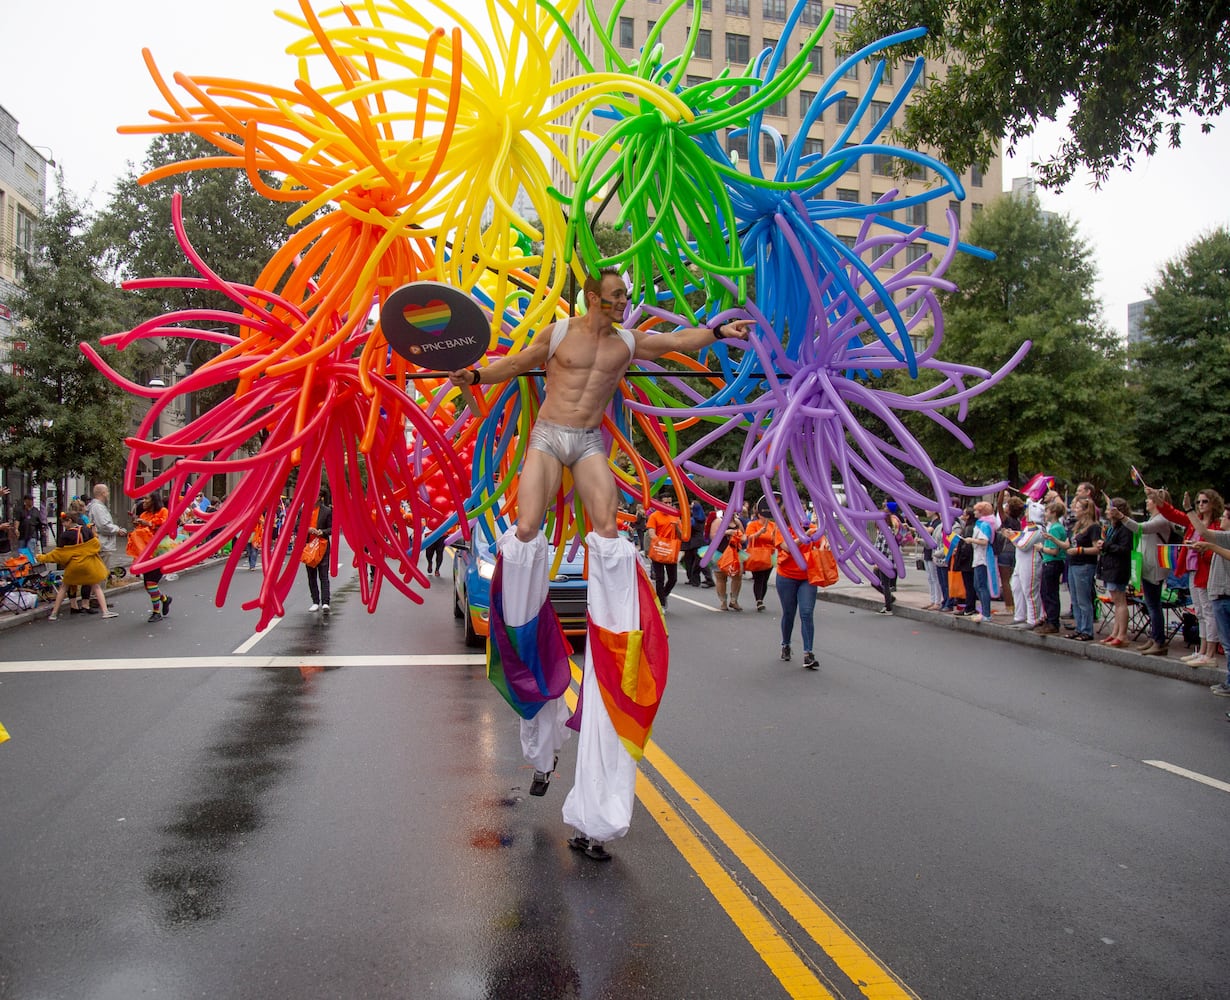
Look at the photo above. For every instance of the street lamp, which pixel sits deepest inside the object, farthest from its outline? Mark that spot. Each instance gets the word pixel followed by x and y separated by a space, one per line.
pixel 155 463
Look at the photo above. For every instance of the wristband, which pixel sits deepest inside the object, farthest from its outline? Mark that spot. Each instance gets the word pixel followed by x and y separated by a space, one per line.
pixel 476 376
pixel 717 332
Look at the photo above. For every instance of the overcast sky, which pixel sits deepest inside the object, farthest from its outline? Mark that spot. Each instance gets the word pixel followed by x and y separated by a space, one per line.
pixel 72 71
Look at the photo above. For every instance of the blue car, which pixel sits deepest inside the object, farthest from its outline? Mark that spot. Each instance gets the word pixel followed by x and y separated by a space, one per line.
pixel 473 568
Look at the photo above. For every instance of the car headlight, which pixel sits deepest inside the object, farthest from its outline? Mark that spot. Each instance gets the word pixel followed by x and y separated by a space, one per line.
pixel 486 570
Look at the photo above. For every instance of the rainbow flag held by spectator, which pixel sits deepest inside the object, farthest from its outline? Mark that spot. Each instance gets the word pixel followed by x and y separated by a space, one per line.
pixel 1036 488
pixel 1137 478
pixel 1170 556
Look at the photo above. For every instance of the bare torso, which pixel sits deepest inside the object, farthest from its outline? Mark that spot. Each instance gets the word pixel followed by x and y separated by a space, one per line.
pixel 582 375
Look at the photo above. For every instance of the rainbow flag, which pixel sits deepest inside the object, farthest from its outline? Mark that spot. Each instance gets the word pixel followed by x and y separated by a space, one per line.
pixel 1169 556
pixel 1036 488
pixel 631 670
pixel 4 733
pixel 528 664
pixel 1137 478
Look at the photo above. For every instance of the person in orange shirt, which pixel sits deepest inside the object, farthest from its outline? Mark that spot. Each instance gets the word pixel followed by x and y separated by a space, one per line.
pixel 150 513
pixel 661 524
pixel 762 538
pixel 796 594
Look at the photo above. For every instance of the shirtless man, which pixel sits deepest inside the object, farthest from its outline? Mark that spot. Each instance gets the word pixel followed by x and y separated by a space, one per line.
pixel 584 357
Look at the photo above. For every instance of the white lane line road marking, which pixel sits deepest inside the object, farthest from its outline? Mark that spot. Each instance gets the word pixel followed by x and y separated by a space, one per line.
pixel 248 662
pixel 1183 772
pixel 256 637
pixel 672 596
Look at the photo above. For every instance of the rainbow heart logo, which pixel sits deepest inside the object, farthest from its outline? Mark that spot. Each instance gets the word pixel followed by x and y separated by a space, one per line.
pixel 432 317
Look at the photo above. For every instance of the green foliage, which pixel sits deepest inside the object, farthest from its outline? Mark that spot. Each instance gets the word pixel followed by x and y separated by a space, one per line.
pixel 234 229
pixel 1128 71
pixel 1061 410
pixel 58 415
pixel 1181 371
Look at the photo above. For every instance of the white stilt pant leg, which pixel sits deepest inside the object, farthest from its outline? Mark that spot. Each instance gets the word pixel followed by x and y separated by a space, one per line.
pixel 600 802
pixel 526 585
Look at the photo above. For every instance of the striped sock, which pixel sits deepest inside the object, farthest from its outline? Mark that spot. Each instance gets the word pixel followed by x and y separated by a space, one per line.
pixel 151 591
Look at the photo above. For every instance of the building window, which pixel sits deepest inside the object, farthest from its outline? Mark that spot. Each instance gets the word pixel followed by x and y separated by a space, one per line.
pixel 913 171
pixel 737 48
pixel 777 108
pixel 846 108
pixel 815 59
pixel 649 28
pixel 888 74
pixel 975 209
pixel 848 241
pixel 813 147
pixel 916 215
pixel 737 145
pixel 975 177
pixel 812 14
pixel 878 110
pixel 774 10
pixel 851 72
pixel 739 8
pixel 847 194
pixel 696 81
pixel 704 44
pixel 806 97
pixel 627 33
pixel 25 231
pixel 882 165
pixel 843 14
pixel 914 251
pixel 768 43
pixel 768 149
pixel 955 208
pixel 705 5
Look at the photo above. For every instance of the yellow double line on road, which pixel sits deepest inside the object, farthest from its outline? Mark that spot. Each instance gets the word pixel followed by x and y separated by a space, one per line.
pixel 798 976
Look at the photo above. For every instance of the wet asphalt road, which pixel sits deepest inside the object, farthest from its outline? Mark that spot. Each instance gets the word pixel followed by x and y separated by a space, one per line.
pixel 978 814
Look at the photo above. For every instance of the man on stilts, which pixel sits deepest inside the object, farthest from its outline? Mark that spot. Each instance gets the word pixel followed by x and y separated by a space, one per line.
pixel 584 358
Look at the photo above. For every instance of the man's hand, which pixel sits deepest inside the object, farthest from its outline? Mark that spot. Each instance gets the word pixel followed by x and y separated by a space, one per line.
pixel 737 329
pixel 464 377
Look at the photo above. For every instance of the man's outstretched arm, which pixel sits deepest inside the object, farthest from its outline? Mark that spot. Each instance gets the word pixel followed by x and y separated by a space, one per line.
pixel 509 366
pixel 650 346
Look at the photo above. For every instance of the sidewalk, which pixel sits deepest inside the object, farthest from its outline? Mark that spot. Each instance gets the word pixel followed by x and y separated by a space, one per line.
pixel 913 595
pixel 12 619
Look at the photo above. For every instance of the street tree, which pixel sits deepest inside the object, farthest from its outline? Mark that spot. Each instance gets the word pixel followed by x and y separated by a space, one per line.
pixel 59 416
pixel 1061 409
pixel 234 229
pixel 1181 370
pixel 1129 72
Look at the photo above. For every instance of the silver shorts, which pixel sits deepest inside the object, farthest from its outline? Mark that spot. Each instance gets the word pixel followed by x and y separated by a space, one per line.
pixel 567 445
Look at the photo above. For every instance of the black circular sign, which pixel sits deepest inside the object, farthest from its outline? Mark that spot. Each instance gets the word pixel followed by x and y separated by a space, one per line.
pixel 435 326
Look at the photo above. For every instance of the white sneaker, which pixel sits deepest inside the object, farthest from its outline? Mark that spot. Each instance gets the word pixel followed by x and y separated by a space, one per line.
pixel 314 607
pixel 324 607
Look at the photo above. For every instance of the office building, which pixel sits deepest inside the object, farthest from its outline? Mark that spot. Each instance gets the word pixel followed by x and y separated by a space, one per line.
pixel 732 32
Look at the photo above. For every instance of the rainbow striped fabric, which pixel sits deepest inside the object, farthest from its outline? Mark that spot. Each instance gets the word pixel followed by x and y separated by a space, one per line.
pixel 528 664
pixel 1170 556
pixel 631 670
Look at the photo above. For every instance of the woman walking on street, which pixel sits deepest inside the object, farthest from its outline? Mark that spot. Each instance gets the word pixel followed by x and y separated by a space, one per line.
pixel 796 595
pixel 762 539
pixel 150 514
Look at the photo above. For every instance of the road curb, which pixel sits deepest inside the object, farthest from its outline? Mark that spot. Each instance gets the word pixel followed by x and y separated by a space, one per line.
pixel 1160 666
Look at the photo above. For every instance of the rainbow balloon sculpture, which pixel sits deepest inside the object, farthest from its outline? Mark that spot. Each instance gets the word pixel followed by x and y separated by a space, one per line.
pixel 404 145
